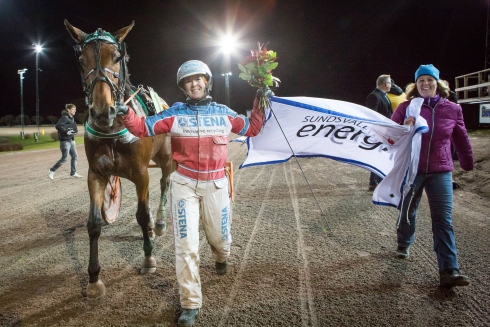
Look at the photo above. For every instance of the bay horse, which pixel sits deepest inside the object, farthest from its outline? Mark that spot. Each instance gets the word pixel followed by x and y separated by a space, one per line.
pixel 111 150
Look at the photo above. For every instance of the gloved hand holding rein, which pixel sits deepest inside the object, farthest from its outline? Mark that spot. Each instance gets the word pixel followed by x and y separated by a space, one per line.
pixel 121 109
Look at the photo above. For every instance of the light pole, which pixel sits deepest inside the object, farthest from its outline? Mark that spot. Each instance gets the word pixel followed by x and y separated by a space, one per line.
pixel 21 73
pixel 38 50
pixel 227 47
pixel 227 87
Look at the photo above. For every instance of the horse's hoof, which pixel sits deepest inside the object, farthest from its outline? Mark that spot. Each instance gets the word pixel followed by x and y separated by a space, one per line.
pixel 160 228
pixel 95 292
pixel 149 265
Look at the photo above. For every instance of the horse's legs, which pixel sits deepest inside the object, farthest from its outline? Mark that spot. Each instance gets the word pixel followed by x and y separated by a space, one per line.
pixel 167 166
pixel 161 224
pixel 143 219
pixel 95 287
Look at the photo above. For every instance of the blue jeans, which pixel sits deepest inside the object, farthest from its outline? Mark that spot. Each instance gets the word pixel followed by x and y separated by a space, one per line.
pixel 67 147
pixel 439 190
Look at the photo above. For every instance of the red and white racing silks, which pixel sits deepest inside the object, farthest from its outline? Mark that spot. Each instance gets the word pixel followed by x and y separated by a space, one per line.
pixel 199 135
pixel 199 138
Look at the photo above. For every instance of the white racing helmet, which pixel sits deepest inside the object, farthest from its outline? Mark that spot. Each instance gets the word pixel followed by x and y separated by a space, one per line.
pixel 194 67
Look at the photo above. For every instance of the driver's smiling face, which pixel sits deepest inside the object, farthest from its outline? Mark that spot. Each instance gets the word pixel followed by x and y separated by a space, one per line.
pixel 195 86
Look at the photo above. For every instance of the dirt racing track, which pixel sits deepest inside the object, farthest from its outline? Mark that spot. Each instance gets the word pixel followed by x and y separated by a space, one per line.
pixel 290 265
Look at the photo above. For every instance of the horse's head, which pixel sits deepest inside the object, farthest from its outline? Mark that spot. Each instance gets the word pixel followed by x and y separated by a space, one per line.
pixel 102 63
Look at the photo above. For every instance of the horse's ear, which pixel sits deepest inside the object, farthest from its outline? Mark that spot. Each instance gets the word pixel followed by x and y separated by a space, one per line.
pixel 121 34
pixel 75 33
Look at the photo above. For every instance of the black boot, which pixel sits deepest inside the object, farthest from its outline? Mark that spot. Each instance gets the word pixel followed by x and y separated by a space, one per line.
pixel 188 317
pixel 221 268
pixel 453 278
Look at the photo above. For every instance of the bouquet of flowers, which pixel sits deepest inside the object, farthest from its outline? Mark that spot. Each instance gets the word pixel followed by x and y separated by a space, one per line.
pixel 257 70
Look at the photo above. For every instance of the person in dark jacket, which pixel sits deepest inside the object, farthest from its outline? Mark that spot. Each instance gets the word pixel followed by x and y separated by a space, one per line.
pixel 67 129
pixel 452 95
pixel 379 102
pixel 434 175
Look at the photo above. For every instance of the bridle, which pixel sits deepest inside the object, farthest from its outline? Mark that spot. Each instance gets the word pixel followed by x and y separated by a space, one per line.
pixel 101 72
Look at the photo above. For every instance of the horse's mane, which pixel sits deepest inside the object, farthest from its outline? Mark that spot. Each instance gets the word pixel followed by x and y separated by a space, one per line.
pixel 148 108
pixel 127 88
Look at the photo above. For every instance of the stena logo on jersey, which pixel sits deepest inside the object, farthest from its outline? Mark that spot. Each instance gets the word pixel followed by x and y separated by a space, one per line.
pixel 202 121
pixel 207 121
pixel 183 122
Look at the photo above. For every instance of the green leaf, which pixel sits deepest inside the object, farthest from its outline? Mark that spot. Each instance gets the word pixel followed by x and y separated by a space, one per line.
pixel 268 80
pixel 263 70
pixel 245 76
pixel 273 65
pixel 255 72
pixel 251 65
pixel 242 68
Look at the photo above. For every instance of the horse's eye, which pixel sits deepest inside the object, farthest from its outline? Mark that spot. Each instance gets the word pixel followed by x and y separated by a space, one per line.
pixel 118 59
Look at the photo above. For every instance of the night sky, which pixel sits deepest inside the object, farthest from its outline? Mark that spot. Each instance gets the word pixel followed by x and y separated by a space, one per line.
pixel 328 49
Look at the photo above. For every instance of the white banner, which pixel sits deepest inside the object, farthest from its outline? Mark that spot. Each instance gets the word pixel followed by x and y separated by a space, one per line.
pixel 484 113
pixel 343 131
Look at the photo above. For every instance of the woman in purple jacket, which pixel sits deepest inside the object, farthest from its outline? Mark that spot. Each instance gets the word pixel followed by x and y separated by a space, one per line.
pixel 445 121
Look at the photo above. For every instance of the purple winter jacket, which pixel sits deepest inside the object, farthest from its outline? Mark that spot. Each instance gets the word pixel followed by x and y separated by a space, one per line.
pixel 446 124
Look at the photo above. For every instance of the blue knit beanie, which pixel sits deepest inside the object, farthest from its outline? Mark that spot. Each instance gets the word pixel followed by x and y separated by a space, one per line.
pixel 427 70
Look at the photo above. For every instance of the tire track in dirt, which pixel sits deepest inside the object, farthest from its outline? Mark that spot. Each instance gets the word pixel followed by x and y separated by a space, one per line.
pixel 421 246
pixel 353 281
pixel 40 160
pixel 372 221
pixel 423 260
pixel 108 237
pixel 384 217
pixel 477 316
pixel 22 188
pixel 305 290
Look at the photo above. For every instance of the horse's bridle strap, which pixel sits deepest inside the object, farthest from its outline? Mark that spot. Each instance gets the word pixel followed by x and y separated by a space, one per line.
pixel 116 75
pixel 117 89
pixel 95 133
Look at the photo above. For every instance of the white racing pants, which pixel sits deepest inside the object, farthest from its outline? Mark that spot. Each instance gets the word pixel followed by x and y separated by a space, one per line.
pixel 187 198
